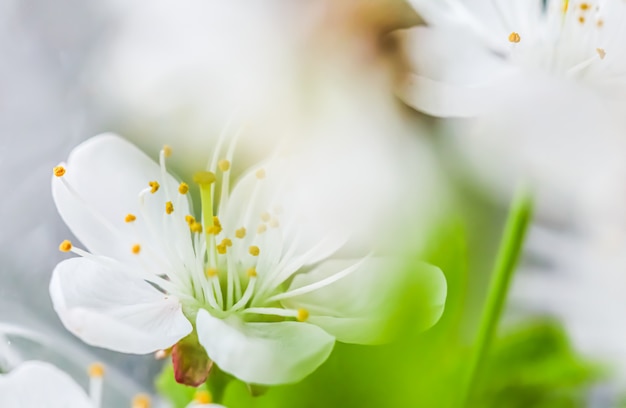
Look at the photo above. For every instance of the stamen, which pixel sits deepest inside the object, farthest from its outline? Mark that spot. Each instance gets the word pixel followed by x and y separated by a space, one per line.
pixel 601 52
pixel 251 272
pixel 581 20
pixel 130 218
pixel 183 188
pixel 261 229
pixel 274 223
pixel 167 151
pixel 195 227
pixel 584 6
pixel 96 370
pixel 260 174
pixel 565 6
pixel 317 285
pixel 514 37
pixel 228 242
pixel 248 293
pixel 59 171
pixel 141 401
pixel 65 246
pixel 600 23
pixel 190 219
pixel 211 272
pixel 154 186
pixel 224 165
pixel 254 250
pixel 240 233
pixel 221 249
pixel 273 311
pixel 202 397
pixel 169 207
pixel 265 216
pixel 135 249
pixel 303 315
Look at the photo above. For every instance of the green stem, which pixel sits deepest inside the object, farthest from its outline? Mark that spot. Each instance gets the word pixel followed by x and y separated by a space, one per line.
pixel 508 256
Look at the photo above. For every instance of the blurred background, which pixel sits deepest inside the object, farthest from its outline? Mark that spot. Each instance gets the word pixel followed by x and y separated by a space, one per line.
pixel 164 72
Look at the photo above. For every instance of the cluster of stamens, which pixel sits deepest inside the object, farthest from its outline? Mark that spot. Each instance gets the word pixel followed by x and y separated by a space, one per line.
pixel 226 284
pixel 577 47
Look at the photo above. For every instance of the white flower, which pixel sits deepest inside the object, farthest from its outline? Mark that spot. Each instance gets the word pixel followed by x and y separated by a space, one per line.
pixel 482 49
pixel 36 384
pixel 250 274
pixel 543 87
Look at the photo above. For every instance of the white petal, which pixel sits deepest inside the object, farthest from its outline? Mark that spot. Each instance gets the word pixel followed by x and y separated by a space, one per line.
pixel 111 309
pixel 264 353
pixel 36 384
pixel 454 74
pixel 108 173
pixel 362 307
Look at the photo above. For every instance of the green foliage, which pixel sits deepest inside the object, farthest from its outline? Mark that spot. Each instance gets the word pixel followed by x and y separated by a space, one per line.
pixel 535 366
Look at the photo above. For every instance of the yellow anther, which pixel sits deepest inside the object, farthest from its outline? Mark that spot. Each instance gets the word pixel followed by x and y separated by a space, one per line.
pixel 190 219
pixel 260 174
pixel 204 178
pixel 195 227
pixel 202 397
pixel 141 401
pixel 130 218
pixel 585 6
pixel 183 188
pixel 135 249
pixel 274 223
pixel 216 221
pixel 240 233
pixel 265 216
pixel 227 242
pixel 254 250
pixel 214 229
pixel 167 151
pixel 221 249
pixel 59 171
pixel 303 315
pixel 155 186
pixel 600 23
pixel 66 246
pixel 514 37
pixel 565 5
pixel 96 370
pixel 169 207
pixel 261 229
pixel 601 52
pixel 581 20
pixel 224 165
pixel 211 272
pixel 251 272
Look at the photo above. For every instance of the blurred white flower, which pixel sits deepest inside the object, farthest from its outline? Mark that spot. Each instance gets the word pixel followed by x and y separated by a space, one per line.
pixel 37 384
pixel 542 85
pixel 580 281
pixel 251 274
